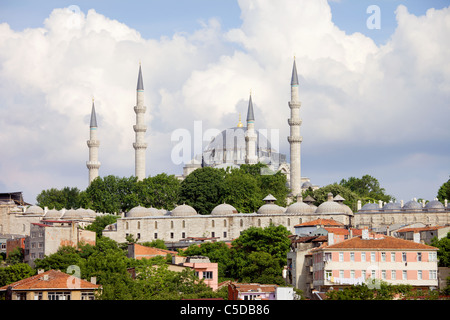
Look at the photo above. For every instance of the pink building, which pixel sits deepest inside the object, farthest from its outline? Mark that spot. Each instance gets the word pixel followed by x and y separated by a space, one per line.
pixel 204 269
pixel 393 260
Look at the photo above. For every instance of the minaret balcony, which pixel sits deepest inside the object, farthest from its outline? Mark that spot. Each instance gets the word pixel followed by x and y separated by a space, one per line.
pixel 93 164
pixel 295 121
pixel 93 143
pixel 140 109
pixel 295 104
pixel 140 128
pixel 295 139
pixel 139 145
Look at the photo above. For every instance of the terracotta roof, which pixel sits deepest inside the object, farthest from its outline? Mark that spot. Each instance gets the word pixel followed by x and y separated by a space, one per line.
pixel 419 229
pixel 55 280
pixel 380 243
pixel 319 222
pixel 255 287
pixel 141 251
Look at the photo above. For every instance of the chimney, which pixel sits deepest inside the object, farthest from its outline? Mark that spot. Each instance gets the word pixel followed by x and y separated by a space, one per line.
pixel 45 278
pixel 358 207
pixel 416 237
pixel 350 233
pixel 401 203
pixel 365 234
pixel 388 233
pixel 423 203
pixel 330 238
pixel 94 280
pixel 446 203
pixel 40 271
pixel 380 204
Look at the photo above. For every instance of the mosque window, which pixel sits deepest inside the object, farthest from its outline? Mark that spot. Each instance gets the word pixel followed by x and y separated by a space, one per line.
pixel 155 236
pixel 259 222
pixel 171 224
pixel 139 225
pixel 288 222
pixel 156 225
pixel 225 234
pixel 184 224
pixel 126 225
pixel 242 223
pixel 224 223
pixel 212 223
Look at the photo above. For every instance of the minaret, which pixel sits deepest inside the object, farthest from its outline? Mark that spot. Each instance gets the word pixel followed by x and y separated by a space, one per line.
pixel 140 128
pixel 250 136
pixel 294 138
pixel 93 164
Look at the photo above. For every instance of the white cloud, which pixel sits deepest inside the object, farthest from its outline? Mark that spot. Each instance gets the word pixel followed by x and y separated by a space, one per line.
pixel 354 94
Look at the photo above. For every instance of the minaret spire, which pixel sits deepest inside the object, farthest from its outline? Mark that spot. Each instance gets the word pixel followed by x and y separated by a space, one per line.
pixel 295 139
pixel 93 143
pixel 140 128
pixel 250 136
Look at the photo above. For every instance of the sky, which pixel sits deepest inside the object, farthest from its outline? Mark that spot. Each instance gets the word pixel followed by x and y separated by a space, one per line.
pixel 374 86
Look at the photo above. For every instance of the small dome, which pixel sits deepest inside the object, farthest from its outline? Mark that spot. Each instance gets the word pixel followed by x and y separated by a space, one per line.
pixel 183 211
pixel 90 213
pixel 306 185
pixel 370 207
pixel 35 210
pixel 392 206
pixel 140 211
pixel 52 215
pixel 412 205
pixel 330 207
pixel 270 208
pixel 434 205
pixel 72 214
pixel 223 209
pixel 300 207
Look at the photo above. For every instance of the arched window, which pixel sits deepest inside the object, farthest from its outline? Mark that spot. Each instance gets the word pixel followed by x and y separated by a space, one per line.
pixel 126 225
pixel 156 225
pixel 289 222
pixel 184 224
pixel 224 223
pixel 242 223
pixel 212 223
pixel 259 222
pixel 171 224
pixel 139 225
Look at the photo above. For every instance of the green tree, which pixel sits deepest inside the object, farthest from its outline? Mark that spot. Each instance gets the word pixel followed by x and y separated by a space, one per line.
pixel 444 250
pixel 101 222
pixel 444 191
pixel 241 190
pixel 321 194
pixel 158 243
pixel 275 184
pixel 57 199
pixel 201 189
pixel 15 273
pixel 367 187
pixel 60 260
pixel 160 191
pixel 112 194
pixel 16 256
pixel 272 240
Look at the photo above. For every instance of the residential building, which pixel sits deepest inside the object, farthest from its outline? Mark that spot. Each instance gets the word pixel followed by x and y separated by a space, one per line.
pixel 256 291
pixel 47 237
pixel 51 285
pixel 424 234
pixel 393 260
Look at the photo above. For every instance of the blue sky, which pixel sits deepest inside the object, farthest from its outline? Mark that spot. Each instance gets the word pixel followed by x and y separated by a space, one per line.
pixel 374 101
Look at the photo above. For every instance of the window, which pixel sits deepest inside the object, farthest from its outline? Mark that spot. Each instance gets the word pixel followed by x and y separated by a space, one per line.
pixel 419 274
pixel 126 225
pixel 432 256
pixel 171 224
pixel 57 295
pixel 419 256
pixel 352 274
pixel 207 275
pixel 328 274
pixel 38 296
pixel 184 224
pixel 404 256
pixel 87 296
pixel 363 274
pixel 259 222
pixel 225 234
pixel 241 223
pixel 156 224
pixel 363 256
pixel 372 257
pixel 327 256
pixel 373 274
pixel 393 275
pixel 383 256
pixel 224 223
pixel 341 256
pixel 341 273
pixel 171 235
pixel 183 235
pixel 383 274
pixel 212 223
pixel 139 225
pixel 433 274
pixel 21 296
pixel 404 275
pixel 392 256
pixel 155 236
pixel 213 234
pixel 352 256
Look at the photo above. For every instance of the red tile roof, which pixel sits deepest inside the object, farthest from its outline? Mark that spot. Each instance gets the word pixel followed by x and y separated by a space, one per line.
pixel 380 243
pixel 320 222
pixel 51 279
pixel 141 251
pixel 419 229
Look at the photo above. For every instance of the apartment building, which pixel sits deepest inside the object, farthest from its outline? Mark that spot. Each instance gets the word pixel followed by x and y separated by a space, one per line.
pixel 393 260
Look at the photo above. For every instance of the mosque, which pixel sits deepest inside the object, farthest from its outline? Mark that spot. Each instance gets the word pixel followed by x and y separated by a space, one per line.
pixel 232 147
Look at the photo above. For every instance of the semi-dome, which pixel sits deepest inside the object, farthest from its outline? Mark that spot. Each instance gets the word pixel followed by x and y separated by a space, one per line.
pixel 434 205
pixel 223 209
pixel 392 206
pixel 52 214
pixel 300 207
pixel 370 207
pixel 183 211
pixel 35 210
pixel 412 205
pixel 140 211
pixel 270 208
